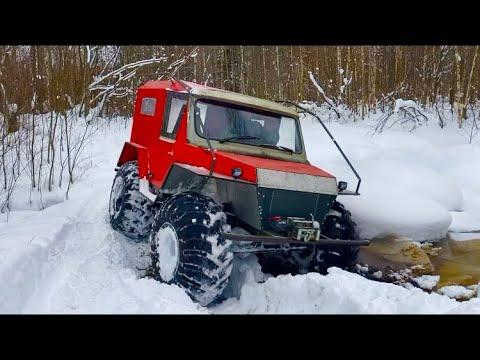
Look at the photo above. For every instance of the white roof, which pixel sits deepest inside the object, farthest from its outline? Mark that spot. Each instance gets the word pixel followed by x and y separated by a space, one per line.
pixel 240 99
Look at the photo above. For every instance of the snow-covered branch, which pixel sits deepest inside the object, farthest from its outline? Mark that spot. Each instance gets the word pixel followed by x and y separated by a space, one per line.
pixel 113 84
pixel 117 72
pixel 329 101
pixel 406 111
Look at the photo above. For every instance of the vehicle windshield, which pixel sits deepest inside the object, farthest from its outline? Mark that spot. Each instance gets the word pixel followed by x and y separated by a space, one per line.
pixel 228 122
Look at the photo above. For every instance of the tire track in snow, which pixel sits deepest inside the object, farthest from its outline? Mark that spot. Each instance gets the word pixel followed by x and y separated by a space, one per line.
pixel 95 270
pixel 23 269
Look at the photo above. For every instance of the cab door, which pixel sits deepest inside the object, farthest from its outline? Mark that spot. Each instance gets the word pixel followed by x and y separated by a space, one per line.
pixel 175 108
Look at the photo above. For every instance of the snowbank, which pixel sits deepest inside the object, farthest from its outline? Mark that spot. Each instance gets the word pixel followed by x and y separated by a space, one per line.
pixel 419 185
pixel 339 292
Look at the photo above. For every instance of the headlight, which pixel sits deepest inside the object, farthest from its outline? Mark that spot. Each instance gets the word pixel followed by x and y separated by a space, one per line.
pixel 236 172
pixel 342 185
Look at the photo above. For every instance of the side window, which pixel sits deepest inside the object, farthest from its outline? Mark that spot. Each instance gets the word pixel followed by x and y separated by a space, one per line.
pixel 174 111
pixel 148 106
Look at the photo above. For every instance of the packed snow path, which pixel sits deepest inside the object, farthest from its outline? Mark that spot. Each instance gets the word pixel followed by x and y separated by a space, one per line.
pixel 93 270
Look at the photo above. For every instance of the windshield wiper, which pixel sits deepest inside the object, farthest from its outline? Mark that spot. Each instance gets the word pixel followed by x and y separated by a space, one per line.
pixel 279 147
pixel 244 137
pixel 238 138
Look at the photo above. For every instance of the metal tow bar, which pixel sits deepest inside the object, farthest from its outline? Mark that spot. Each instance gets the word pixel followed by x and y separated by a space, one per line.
pixel 290 240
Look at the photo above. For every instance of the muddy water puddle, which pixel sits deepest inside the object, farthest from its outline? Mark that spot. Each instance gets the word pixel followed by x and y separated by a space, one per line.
pixel 456 262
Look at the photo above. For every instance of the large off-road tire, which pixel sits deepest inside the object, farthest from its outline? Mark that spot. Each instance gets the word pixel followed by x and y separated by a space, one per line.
pixel 284 260
pixel 186 248
pixel 337 225
pixel 130 212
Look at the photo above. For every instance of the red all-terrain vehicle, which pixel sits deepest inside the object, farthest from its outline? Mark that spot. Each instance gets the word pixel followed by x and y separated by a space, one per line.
pixel 202 163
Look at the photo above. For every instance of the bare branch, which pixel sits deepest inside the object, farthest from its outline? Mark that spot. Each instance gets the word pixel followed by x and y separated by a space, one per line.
pixel 329 101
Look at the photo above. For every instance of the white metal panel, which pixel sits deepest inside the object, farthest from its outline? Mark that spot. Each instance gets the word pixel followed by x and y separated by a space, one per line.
pixel 245 99
pixel 297 182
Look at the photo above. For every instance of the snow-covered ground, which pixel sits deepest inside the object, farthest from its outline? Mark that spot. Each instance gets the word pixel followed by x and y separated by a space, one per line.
pixel 339 292
pixel 67 259
pixel 417 184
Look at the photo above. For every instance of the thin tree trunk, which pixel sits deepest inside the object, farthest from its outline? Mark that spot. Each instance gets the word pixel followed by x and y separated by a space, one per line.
pixel 467 89
pixel 277 68
pixel 458 92
pixel 265 90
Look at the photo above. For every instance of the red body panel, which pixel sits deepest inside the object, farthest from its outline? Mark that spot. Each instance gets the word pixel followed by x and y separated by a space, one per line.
pixel 129 153
pixel 132 151
pixel 156 154
pixel 279 165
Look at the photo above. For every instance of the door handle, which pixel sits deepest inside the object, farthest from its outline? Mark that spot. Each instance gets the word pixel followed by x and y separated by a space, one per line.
pixel 170 153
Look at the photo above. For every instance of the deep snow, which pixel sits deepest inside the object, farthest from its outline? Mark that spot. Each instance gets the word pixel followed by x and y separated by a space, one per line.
pixel 67 259
pixel 338 292
pixel 418 185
